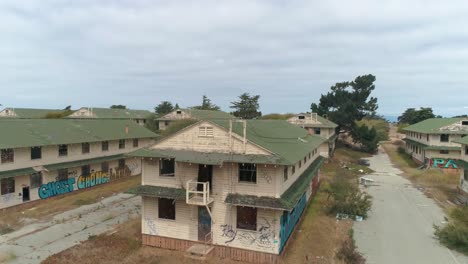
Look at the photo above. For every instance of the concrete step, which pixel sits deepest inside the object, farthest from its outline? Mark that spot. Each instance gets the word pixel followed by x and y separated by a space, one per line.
pixel 199 251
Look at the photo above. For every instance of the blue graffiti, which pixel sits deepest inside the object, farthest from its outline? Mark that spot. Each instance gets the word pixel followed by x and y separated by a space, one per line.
pixel 289 221
pixel 56 188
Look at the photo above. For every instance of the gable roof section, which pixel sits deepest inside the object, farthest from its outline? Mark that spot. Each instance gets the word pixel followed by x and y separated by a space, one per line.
pixel 323 122
pixel 31 112
pixel 463 140
pixel 111 113
pixel 201 114
pixel 436 126
pixel 16 133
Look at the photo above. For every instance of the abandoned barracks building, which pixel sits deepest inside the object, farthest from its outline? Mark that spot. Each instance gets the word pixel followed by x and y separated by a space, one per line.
pixel 195 114
pixel 27 113
pixel 41 158
pixel 433 141
pixel 463 186
pixel 240 186
pixel 139 116
pixel 317 125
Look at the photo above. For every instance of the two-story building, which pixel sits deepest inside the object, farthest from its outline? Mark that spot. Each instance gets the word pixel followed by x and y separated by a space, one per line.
pixel 196 114
pixel 27 113
pixel 463 186
pixel 317 125
pixel 139 116
pixel 42 158
pixel 433 141
pixel 240 186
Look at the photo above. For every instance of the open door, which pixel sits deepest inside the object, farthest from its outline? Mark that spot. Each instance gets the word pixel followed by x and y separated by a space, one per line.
pixel 204 223
pixel 26 194
pixel 205 174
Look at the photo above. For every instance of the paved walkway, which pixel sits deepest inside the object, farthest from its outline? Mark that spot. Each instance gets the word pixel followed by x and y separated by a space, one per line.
pixel 400 226
pixel 35 242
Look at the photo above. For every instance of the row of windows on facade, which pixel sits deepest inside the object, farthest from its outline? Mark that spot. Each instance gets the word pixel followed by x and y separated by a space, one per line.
pixel 247 171
pixel 8 155
pixel 8 184
pixel 246 216
pixel 418 150
pixel 443 137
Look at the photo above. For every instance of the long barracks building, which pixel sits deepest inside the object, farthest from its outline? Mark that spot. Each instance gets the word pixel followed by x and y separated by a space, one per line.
pixel 42 158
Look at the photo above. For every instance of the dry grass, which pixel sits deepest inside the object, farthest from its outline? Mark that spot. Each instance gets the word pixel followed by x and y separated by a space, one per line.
pixel 44 210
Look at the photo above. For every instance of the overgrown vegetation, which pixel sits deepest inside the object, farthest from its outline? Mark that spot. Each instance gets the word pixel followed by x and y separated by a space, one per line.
pixel 455 234
pixel 58 114
pixel 247 106
pixel 5 230
pixel 348 251
pixel 152 123
pixel 176 126
pixel 276 116
pixel 413 116
pixel 380 125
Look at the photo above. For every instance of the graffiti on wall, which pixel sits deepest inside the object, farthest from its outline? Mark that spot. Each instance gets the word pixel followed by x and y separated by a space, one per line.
pixel 290 219
pixel 443 163
pixel 134 167
pixel 267 177
pixel 229 232
pixel 7 197
pixel 151 226
pixel 264 237
pixel 56 188
pixel 95 178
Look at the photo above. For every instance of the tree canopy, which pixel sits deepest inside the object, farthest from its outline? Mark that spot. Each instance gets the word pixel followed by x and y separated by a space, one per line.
pixel 118 107
pixel 413 116
pixel 247 106
pixel 165 107
pixel 206 104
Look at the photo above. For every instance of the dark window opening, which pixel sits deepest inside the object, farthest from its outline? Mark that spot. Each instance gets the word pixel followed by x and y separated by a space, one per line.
pixel 167 167
pixel 285 173
pixel 317 131
pixel 63 150
pixel 293 169
pixel 36 180
pixel 466 150
pixel 105 146
pixel 166 208
pixel 62 175
pixel 85 170
pixel 8 155
pixel 135 142
pixel 464 123
pixel 300 164
pixel 8 185
pixel 247 218
pixel 444 151
pixel 105 167
pixel 465 174
pixel 122 144
pixel 427 137
pixel 179 112
pixel 444 138
pixel 121 163
pixel 301 117
pixel 248 172
pixel 85 148
pixel 36 153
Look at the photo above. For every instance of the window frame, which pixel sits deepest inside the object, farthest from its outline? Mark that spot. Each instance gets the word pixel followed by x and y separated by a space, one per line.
pixel 135 142
pixel 162 168
pixel 243 169
pixel 444 151
pixel 62 174
pixel 168 210
pixel 105 166
pixel 246 218
pixel 317 131
pixel 34 183
pixel 105 146
pixel 206 131
pixel 444 138
pixel 7 155
pixel 285 173
pixel 85 148
pixel 121 143
pixel 5 187
pixel 33 153
pixel 121 164
pixel 85 172
pixel 63 150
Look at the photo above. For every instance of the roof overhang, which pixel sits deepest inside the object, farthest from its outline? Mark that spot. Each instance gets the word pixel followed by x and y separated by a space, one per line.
pixel 158 192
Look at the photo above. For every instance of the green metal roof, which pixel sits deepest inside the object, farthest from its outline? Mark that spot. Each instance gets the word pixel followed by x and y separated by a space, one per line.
pixel 78 163
pixel 18 172
pixel 113 113
pixel 323 122
pixel 204 114
pixel 158 192
pixel 16 133
pixel 429 147
pixel 32 112
pixel 209 158
pixel 435 125
pixel 463 140
pixel 290 197
pixel 289 142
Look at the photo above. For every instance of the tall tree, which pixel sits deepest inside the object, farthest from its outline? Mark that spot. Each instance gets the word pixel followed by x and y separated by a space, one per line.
pixel 206 104
pixel 247 106
pixel 413 116
pixel 164 107
pixel 118 107
pixel 68 108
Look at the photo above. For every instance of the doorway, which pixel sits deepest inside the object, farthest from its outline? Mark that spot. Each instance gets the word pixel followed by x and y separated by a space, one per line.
pixel 205 174
pixel 26 194
pixel 204 223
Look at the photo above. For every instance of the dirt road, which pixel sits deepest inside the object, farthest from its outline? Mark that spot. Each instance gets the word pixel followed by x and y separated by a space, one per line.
pixel 400 226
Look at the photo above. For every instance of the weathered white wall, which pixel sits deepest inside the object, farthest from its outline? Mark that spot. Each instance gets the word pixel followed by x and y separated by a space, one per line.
pixel 7 112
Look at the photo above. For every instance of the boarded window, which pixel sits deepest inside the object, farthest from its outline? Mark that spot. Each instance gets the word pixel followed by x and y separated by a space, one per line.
pixel 247 218
pixel 166 208
pixel 63 150
pixel 285 173
pixel 36 153
pixel 84 148
pixel 167 167
pixel 248 173
pixel 85 170
pixel 105 167
pixel 8 155
pixel 62 175
pixel 105 146
pixel 135 142
pixel 8 185
pixel 205 131
pixel 444 138
pixel 36 180
pixel 122 144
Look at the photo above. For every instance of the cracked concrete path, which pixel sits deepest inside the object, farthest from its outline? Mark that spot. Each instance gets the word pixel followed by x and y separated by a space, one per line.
pixel 400 225
pixel 35 242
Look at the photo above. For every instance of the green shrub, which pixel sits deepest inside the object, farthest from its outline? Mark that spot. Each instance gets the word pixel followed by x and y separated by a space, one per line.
pixel 401 150
pixel 455 234
pixel 348 199
pixel 348 252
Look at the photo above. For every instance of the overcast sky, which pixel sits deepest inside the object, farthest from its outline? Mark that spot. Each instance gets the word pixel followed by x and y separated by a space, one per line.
pixel 97 53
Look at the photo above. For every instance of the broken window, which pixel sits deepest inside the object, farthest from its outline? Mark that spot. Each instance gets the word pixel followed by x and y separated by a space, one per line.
pixel 85 170
pixel 84 148
pixel 166 208
pixel 167 167
pixel 247 218
pixel 285 173
pixel 7 185
pixel 36 180
pixel 62 175
pixel 248 173
pixel 63 150
pixel 135 142
pixel 105 146
pixel 8 155
pixel 122 144
pixel 444 138
pixel 36 153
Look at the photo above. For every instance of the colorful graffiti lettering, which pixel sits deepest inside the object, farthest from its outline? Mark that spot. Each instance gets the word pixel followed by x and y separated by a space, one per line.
pixel 56 188
pixel 93 179
pixel 443 163
pixel 290 219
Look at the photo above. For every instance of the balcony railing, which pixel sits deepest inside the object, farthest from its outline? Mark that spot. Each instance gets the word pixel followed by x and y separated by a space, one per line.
pixel 198 196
